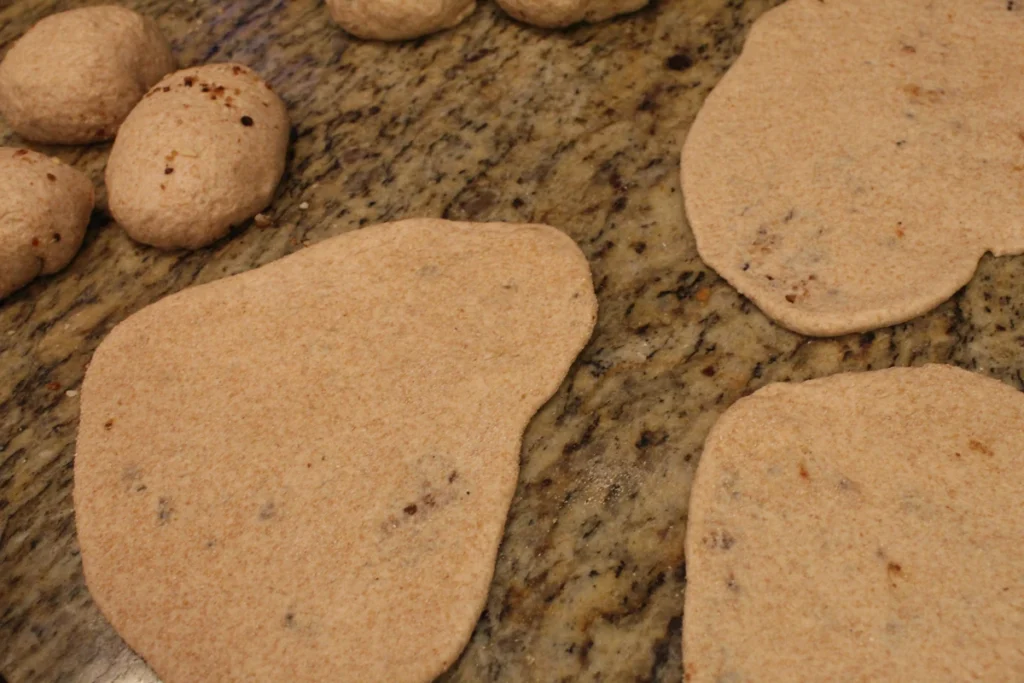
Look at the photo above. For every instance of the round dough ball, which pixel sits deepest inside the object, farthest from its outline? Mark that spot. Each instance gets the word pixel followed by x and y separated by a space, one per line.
pixel 75 76
pixel 398 19
pixel 203 151
pixel 44 211
pixel 560 13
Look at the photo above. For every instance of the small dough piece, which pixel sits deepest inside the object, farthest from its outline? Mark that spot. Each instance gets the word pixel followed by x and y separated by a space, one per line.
pixel 75 76
pixel 302 473
pixel 203 151
pixel 863 527
pixel 561 13
pixel 398 19
pixel 860 157
pixel 44 210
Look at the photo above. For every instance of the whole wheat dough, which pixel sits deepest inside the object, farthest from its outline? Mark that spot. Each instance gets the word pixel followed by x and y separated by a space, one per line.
pixel 74 76
pixel 44 211
pixel 204 151
pixel 398 19
pixel 561 13
pixel 860 157
pixel 864 527
pixel 302 473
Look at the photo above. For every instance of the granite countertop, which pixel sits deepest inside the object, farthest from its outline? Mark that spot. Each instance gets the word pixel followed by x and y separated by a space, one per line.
pixel 579 129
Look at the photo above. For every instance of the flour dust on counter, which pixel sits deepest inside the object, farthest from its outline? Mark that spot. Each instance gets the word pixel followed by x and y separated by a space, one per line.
pixel 44 210
pixel 398 19
pixel 860 157
pixel 866 526
pixel 75 75
pixel 302 473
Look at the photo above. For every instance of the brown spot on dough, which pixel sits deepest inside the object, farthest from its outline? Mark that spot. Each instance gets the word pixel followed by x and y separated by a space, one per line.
pixel 267 511
pixel 804 474
pixel 247 121
pixel 410 509
pixel 979 447
pixel 51 177
pixel 168 171
pixel 35 241
pixel 21 153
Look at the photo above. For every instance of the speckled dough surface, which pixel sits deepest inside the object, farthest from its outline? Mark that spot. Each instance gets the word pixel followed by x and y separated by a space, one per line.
pixel 44 210
pixel 561 13
pixel 203 151
pixel 302 473
pixel 398 19
pixel 860 157
pixel 75 75
pixel 864 527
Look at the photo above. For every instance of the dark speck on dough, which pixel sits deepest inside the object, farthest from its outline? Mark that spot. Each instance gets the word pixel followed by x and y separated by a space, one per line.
pixel 164 510
pixel 247 121
pixel 410 509
pixel 35 241
pixel 453 476
pixel 51 177
pixel 109 424
pixel 804 474
pixel 289 620
pixel 168 171
pixel 189 81
pixel 679 62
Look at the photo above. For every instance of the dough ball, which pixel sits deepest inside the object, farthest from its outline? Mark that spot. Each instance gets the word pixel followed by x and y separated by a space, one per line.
pixel 862 527
pixel 44 211
pixel 560 13
pixel 75 76
pixel 302 473
pixel 398 19
pixel 859 158
pixel 202 152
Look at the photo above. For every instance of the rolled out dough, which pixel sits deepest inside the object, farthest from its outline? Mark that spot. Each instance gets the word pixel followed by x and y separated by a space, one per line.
pixel 860 157
pixel 302 473
pixel 863 527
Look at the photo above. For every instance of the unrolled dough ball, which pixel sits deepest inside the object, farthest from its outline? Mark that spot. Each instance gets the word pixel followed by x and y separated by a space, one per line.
pixel 203 151
pixel 74 76
pixel 44 210
pixel 398 19
pixel 559 13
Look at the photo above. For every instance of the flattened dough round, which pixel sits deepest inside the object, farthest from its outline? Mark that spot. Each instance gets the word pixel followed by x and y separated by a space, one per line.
pixel 44 211
pixel 561 13
pixel 75 76
pixel 860 157
pixel 203 151
pixel 398 19
pixel 864 527
pixel 302 473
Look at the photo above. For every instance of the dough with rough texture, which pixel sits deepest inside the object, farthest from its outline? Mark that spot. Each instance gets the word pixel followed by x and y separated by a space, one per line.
pixel 561 13
pixel 302 473
pixel 864 527
pixel 860 157
pixel 75 76
pixel 398 19
pixel 44 211
pixel 203 151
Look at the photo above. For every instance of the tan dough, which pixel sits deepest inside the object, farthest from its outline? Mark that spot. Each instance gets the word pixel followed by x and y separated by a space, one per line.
pixel 398 19
pixel 74 76
pixel 561 13
pixel 203 151
pixel 860 157
pixel 44 211
pixel 302 473
pixel 864 527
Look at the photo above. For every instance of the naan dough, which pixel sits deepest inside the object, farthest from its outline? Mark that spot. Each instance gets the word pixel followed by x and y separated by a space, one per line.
pixel 44 211
pixel 75 76
pixel 398 19
pixel 860 157
pixel 302 473
pixel 561 13
pixel 204 151
pixel 864 527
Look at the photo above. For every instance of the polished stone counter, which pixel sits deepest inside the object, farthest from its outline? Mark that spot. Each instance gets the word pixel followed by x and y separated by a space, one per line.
pixel 494 120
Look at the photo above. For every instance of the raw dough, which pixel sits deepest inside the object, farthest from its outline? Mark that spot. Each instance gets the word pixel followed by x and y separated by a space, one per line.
pixel 74 76
pixel 302 473
pixel 203 151
pixel 560 13
pixel 44 211
pixel 861 156
pixel 864 527
pixel 398 19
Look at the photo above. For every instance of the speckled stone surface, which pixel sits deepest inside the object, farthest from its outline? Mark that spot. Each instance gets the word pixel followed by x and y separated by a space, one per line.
pixel 492 121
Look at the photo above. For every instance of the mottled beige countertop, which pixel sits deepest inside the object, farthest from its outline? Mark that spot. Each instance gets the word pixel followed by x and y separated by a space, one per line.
pixel 579 129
